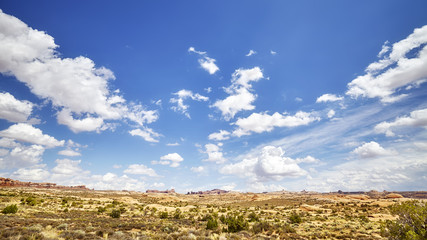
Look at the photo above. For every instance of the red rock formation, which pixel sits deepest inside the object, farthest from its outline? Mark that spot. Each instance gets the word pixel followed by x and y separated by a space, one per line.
pixel 157 191
pixel 7 182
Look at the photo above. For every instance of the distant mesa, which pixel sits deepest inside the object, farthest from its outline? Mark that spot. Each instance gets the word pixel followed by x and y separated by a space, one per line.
pixel 209 192
pixel 7 182
pixel 157 191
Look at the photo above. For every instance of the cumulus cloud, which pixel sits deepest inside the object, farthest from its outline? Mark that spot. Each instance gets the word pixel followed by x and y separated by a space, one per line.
pixel 198 169
pixel 171 159
pixel 219 136
pixel 205 62
pixel 182 95
pixel 69 153
pixel 385 78
pixel 140 169
pixel 14 110
pixel 371 150
pixel 270 164
pixel 328 98
pixel 147 134
pixel 263 122
pixel 26 133
pixel 417 118
pixel 251 52
pixel 22 156
pixel 31 174
pixel 214 153
pixel 273 52
pixel 331 113
pixel 240 96
pixel 75 86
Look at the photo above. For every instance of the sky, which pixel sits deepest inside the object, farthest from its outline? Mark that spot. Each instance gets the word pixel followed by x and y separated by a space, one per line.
pixel 247 96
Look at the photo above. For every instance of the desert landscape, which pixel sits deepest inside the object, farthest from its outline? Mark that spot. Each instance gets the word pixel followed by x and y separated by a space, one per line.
pixel 49 211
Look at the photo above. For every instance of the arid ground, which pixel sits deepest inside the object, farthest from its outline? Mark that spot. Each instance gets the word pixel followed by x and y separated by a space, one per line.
pixel 88 214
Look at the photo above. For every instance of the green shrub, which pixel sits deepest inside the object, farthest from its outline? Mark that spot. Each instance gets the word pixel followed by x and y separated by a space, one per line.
pixel 253 217
pixel 115 213
pixel 295 217
pixel 10 209
pixel 236 223
pixel 212 224
pixel 411 222
pixel 163 215
pixel 177 214
pixel 260 227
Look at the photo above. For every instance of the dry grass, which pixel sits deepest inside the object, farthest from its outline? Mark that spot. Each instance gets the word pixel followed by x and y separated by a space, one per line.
pixel 56 214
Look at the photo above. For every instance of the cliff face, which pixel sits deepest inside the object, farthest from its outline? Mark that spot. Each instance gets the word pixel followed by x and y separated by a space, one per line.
pixel 7 182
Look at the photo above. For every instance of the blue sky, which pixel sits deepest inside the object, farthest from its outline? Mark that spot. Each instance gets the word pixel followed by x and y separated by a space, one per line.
pixel 241 95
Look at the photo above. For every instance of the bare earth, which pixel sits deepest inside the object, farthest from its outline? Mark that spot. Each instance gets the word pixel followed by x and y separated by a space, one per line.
pixel 85 214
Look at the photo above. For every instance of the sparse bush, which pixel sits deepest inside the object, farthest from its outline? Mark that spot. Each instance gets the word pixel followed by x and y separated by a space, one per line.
pixel 411 222
pixel 260 227
pixel 295 217
pixel 236 223
pixel 212 224
pixel 11 209
pixel 163 215
pixel 115 213
pixel 177 214
pixel 253 217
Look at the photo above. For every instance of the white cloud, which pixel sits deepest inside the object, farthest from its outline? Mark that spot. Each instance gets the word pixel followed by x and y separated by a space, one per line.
pixel 298 99
pixel 205 62
pixel 251 52
pixel 172 144
pixel 371 150
pixel 111 181
pixel 308 159
pixel 270 164
pixel 219 136
pixel 273 52
pixel 263 122
pixel 69 153
pixel 209 65
pixel 117 166
pixel 417 118
pixel 171 159
pixel 13 109
pixel 384 78
pixel 27 133
pixel 328 98
pixel 158 185
pixel 385 48
pixel 331 113
pixel 198 169
pixel 74 86
pixel 67 167
pixel 22 156
pixel 140 169
pixel 214 153
pixel 31 174
pixel 240 97
pixel 181 96
pixel 147 134
pixel 191 49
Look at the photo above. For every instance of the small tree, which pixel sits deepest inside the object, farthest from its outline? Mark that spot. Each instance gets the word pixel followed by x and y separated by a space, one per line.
pixel 10 209
pixel 411 222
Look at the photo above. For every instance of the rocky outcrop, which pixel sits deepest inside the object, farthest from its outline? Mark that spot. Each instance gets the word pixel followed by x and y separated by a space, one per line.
pixel 393 195
pixel 213 191
pixel 157 191
pixel 7 182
